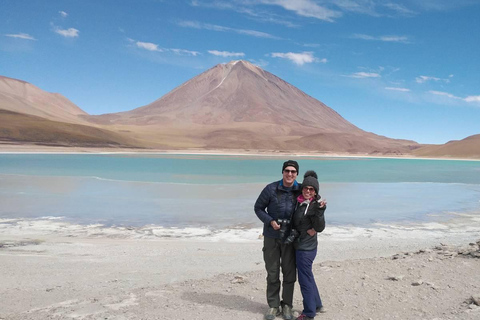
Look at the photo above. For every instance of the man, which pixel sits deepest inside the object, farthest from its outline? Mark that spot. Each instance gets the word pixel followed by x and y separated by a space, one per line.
pixel 275 206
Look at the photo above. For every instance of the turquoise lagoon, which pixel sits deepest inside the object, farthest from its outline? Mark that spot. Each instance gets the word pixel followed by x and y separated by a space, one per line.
pixel 218 192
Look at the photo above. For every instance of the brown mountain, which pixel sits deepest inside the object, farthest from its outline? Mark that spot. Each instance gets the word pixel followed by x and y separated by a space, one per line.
pixel 240 106
pixel 466 148
pixel 23 97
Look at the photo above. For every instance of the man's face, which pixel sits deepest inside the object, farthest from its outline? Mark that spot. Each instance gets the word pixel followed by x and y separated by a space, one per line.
pixel 289 176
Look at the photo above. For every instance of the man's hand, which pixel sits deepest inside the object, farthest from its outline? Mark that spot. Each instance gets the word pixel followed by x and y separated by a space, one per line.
pixel 311 232
pixel 275 225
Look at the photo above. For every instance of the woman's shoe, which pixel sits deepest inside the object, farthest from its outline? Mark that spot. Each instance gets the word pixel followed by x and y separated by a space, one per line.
pixel 304 317
pixel 321 310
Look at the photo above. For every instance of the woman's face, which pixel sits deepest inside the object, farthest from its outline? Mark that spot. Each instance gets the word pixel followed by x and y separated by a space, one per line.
pixel 308 192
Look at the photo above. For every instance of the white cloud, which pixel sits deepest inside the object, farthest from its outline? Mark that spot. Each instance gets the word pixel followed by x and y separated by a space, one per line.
pixel 298 58
pixel 213 27
pixel 365 75
pixel 423 79
pixel 148 46
pixel 63 14
pixel 472 99
pixel 226 53
pixel 306 8
pixel 400 9
pixel 468 99
pixel 397 89
pixel 67 33
pixel 244 7
pixel 445 94
pixel 155 48
pixel 21 36
pixel 391 38
pixel 185 52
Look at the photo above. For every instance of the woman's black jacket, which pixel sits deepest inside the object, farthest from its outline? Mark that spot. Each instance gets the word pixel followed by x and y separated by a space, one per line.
pixel 313 218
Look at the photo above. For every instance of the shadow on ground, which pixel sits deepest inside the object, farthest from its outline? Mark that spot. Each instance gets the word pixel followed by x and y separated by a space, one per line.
pixel 232 302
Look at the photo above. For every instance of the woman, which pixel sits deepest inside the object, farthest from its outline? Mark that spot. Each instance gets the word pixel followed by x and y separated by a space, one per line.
pixel 308 219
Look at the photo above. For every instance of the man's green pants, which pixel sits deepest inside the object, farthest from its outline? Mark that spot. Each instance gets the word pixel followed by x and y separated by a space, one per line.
pixel 278 255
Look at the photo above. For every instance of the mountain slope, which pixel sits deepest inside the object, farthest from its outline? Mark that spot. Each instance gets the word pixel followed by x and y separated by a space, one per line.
pixel 238 105
pixel 465 148
pixel 21 128
pixel 23 97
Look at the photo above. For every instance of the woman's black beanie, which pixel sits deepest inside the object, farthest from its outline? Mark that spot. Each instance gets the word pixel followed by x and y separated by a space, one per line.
pixel 310 179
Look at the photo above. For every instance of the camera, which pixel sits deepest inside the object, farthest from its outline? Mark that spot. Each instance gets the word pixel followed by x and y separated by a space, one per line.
pixel 284 227
pixel 291 237
pixel 284 224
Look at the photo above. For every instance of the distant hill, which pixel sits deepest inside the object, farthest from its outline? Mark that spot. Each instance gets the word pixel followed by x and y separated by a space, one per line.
pixel 18 128
pixel 23 97
pixel 466 148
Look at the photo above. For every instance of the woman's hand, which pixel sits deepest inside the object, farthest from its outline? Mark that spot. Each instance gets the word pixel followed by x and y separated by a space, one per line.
pixel 323 203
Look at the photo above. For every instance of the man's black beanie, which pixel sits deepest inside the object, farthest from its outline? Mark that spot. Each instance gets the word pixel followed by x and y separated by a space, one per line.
pixel 290 163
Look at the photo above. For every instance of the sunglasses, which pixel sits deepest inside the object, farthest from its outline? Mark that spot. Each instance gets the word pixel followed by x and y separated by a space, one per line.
pixel 290 171
pixel 309 189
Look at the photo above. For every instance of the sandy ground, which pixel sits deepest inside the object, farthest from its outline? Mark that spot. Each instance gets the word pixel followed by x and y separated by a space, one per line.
pixel 370 274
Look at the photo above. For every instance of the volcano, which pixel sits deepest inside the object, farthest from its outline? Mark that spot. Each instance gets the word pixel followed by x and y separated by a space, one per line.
pixel 238 105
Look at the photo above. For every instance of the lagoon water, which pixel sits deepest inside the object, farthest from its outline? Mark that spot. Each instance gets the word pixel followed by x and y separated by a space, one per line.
pixel 218 192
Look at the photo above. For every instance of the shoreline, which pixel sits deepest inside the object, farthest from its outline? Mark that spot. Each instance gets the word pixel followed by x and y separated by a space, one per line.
pixel 31 149
pixel 452 225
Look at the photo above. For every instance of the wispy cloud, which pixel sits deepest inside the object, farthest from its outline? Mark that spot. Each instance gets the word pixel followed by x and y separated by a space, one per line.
pixel 397 89
pixel 184 52
pixel 63 14
pixel 306 8
pixel 444 5
pixel 469 99
pixel 67 33
pixel 472 99
pixel 149 46
pixel 24 36
pixel 226 53
pixel 399 9
pixel 390 38
pixel 423 79
pixel 251 9
pixel 446 94
pixel 362 74
pixel 213 27
pixel 298 58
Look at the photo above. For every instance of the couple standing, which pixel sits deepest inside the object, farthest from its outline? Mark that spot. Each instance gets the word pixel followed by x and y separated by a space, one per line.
pixel 292 215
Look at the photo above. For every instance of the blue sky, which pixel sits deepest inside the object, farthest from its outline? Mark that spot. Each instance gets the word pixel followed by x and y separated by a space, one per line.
pixel 404 69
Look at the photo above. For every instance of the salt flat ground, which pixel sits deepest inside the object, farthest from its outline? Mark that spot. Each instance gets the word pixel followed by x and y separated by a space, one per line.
pixel 96 273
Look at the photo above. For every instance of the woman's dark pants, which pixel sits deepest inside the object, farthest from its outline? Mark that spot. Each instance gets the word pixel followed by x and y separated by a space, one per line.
pixel 311 297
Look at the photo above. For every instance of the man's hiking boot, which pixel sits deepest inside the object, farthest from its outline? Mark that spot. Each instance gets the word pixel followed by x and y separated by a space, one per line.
pixel 287 312
pixel 272 313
